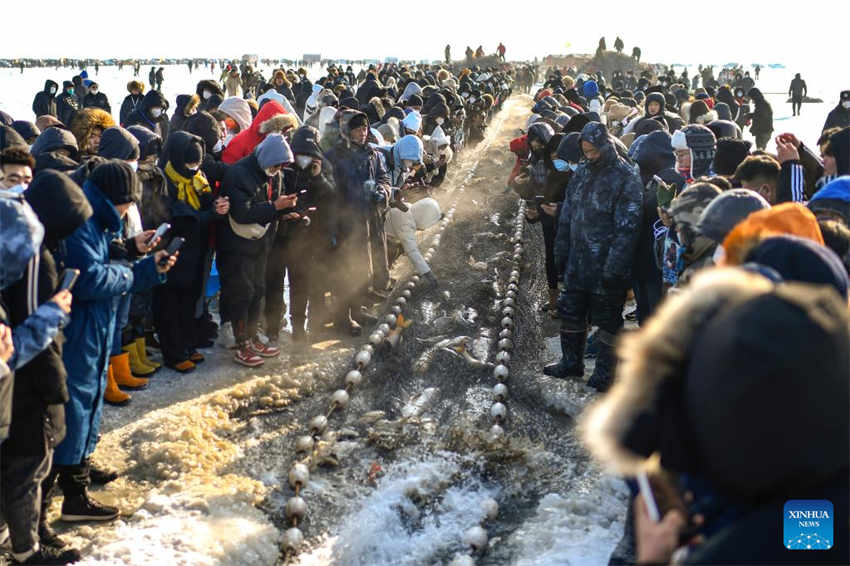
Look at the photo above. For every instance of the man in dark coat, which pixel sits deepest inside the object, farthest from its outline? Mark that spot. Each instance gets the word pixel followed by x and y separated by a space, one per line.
pixel 296 243
pixel 38 411
pixel 131 101
pixel 253 186
pixel 839 117
pixel 363 185
pixel 762 118
pixel 797 91
pixel 368 89
pixel 151 114
pixel 96 99
pixel 595 244
pixel 44 101
pixel 110 189
pixel 66 103
pixel 55 148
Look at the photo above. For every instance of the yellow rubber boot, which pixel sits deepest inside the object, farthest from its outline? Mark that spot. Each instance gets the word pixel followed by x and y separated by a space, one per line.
pixel 113 395
pixel 123 377
pixel 142 350
pixel 137 366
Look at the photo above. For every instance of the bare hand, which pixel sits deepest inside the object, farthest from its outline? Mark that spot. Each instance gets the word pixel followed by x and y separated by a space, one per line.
pixel 790 138
pixel 786 151
pixel 285 201
pixel 7 347
pixel 656 542
pixel 549 208
pixel 63 300
pixel 291 216
pixel 222 205
pixel 169 264
pixel 142 241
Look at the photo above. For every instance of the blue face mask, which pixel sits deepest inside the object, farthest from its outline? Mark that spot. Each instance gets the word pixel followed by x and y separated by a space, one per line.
pixel 70 91
pixel 560 165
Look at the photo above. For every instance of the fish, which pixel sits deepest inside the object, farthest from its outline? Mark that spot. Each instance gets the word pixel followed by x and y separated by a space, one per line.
pixel 477 265
pixel 424 361
pixel 371 417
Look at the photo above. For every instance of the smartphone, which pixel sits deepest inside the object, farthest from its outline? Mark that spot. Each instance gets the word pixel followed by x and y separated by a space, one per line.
pixel 160 232
pixel 67 279
pixel 172 249
pixel 648 497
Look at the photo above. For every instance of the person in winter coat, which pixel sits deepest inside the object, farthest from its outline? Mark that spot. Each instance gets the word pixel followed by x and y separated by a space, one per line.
pixel 110 190
pixel 55 148
pixel 283 87
pixel 363 186
pixel 96 99
pixel 193 209
pixel 44 101
pixel 27 130
pixel 132 101
pixel 369 89
pixel 271 118
pixel 206 127
pixel 597 235
pixel 87 126
pixel 38 411
pixel 403 225
pixel 297 242
pixel 739 470
pixel 66 103
pixel 653 154
pixel 233 83
pixel 797 91
pixel 159 78
pixel 155 202
pixel 697 249
pixel 839 117
pixel 762 118
pixel 206 90
pixel 695 148
pixel 187 105
pixel 151 114
pixel 253 186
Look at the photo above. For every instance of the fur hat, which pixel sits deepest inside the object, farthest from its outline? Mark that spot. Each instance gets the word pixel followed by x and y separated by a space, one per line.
pixel 136 85
pixel 86 120
pixel 699 113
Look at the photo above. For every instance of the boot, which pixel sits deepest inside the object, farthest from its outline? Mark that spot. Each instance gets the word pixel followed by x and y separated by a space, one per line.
pixel 572 356
pixel 100 476
pixel 113 395
pixel 78 506
pixel 142 350
pixel 43 555
pixel 46 535
pixel 123 377
pixel 137 366
pixel 606 361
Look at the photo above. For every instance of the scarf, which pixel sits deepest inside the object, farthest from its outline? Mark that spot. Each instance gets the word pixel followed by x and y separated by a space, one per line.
pixel 188 189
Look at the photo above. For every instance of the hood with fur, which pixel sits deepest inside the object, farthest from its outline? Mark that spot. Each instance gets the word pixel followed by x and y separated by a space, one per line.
pixel 86 120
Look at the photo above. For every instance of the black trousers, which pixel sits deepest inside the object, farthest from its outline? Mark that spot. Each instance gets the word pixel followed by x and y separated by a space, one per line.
pixel 550 229
pixel 174 316
pixel 21 474
pixel 648 293
pixel 304 286
pixel 577 307
pixel 242 291
pixel 796 104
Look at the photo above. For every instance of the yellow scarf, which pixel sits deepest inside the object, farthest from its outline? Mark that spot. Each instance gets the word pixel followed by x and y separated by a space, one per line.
pixel 188 188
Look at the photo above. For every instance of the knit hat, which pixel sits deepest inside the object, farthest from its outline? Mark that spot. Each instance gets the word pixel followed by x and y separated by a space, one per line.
pixel 414 100
pixel 273 151
pixel 687 207
pixel 833 198
pixel 349 102
pixel 727 210
pixel 118 143
pixel 10 137
pixel 702 144
pixel 149 142
pixel 729 154
pixel 117 180
pixel 786 218
pixel 590 89
pixel 799 259
pixel 358 120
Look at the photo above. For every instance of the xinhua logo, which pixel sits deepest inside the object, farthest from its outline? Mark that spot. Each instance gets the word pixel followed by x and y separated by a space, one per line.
pixel 808 524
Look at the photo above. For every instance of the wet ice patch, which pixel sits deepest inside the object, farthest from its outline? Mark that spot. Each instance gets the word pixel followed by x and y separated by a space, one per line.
pixel 581 528
pixel 417 515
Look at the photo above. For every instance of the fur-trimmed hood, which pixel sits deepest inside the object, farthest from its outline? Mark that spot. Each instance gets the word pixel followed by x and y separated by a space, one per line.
pixel 86 120
pixel 278 123
pixel 629 424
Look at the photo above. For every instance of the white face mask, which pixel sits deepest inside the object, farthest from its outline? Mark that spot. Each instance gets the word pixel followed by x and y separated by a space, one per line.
pixel 134 165
pixel 303 161
pixel 207 95
pixel 846 104
pixel 227 139
pixel 193 167
pixel 93 91
pixel 219 145
pixel 156 112
pixel 53 90
pixel 439 121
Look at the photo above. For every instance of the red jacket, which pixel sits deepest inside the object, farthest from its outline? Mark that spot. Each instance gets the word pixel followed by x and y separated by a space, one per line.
pixel 519 146
pixel 245 142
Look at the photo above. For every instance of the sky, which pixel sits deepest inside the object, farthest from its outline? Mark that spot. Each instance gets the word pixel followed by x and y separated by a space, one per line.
pixel 717 32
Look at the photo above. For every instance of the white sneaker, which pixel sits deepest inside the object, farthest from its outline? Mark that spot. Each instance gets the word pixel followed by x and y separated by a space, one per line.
pixel 226 339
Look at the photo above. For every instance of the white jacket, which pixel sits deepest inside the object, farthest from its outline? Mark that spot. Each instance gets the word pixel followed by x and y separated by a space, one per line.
pixel 403 226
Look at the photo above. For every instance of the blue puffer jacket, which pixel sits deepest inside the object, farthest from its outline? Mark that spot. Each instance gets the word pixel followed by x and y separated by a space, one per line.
pixel 87 337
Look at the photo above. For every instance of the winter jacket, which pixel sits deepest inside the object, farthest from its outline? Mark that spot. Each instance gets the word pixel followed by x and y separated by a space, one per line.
pixel 141 116
pixel 88 336
pixel 66 107
pixel 599 222
pixel 205 127
pixel 762 116
pixel 245 141
pixel 130 104
pixel 403 226
pixel 838 117
pixel 44 101
pixel 252 194
pixel 98 100
pixel 186 105
pixel 367 90
pixel 354 165
pixel 45 150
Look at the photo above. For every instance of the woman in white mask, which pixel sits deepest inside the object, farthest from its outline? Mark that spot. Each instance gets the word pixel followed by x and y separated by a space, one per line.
pixel 151 114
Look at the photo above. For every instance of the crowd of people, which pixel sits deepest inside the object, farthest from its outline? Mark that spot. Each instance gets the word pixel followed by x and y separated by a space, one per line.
pixel 248 179
pixel 732 395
